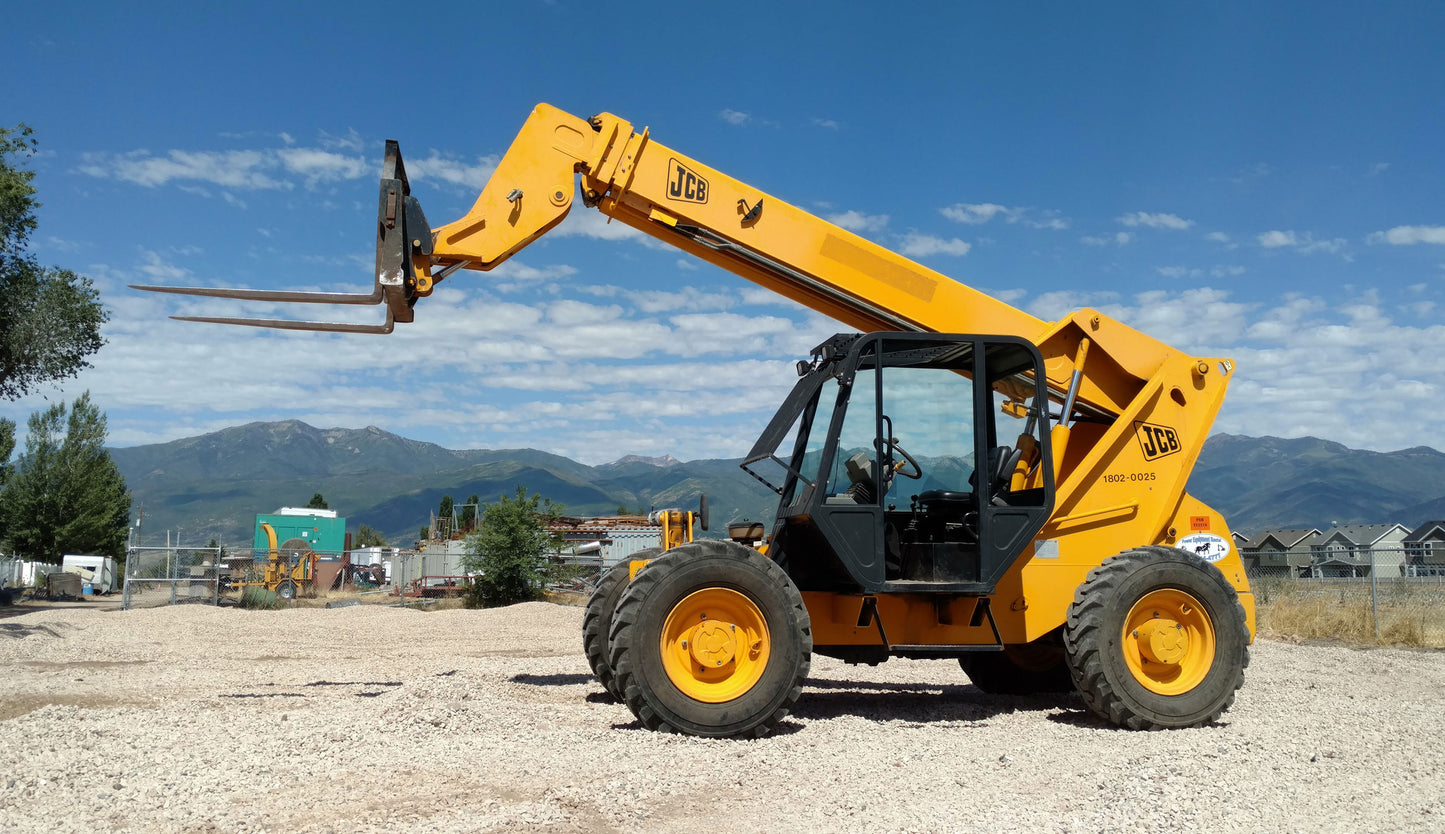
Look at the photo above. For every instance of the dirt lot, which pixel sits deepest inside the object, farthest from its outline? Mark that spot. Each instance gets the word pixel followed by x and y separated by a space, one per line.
pixel 377 719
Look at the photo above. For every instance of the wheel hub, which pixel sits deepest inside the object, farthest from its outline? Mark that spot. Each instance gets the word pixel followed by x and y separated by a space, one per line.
pixel 1163 641
pixel 1168 641
pixel 714 643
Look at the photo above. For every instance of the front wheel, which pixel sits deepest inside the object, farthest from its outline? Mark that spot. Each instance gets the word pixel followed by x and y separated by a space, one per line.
pixel 286 590
pixel 1155 639
pixel 597 619
pixel 711 640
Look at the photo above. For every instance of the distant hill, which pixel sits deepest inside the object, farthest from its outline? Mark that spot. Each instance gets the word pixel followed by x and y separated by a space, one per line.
pixel 213 485
pixel 1264 483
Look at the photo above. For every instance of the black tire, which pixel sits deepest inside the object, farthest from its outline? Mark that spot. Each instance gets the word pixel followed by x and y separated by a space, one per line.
pixel 712 570
pixel 1026 669
pixel 597 621
pixel 1100 652
pixel 286 589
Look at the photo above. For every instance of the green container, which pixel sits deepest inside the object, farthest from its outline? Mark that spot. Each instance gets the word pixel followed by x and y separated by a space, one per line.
pixel 324 534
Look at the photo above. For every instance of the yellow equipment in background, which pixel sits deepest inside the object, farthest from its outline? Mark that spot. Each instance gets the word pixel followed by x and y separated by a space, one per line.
pixel 290 568
pixel 959 480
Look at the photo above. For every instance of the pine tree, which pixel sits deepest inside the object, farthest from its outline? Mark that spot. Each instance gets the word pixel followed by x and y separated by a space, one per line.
pixel 66 494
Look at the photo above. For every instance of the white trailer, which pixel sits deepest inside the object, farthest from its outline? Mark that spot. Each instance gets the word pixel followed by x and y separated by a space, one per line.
pixel 97 572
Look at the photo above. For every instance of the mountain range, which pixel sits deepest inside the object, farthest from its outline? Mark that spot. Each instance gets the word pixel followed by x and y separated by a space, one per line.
pixel 213 485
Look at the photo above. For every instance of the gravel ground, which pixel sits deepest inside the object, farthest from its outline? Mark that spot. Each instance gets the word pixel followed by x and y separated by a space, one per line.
pixel 377 719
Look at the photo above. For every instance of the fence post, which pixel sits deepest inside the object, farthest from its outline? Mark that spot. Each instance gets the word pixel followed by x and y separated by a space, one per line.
pixel 125 580
pixel 1375 594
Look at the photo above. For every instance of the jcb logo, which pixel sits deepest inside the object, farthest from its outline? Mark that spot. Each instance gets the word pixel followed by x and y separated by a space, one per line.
pixel 1157 441
pixel 684 185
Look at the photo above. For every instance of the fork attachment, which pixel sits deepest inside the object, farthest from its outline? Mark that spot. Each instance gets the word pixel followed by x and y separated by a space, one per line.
pixel 403 266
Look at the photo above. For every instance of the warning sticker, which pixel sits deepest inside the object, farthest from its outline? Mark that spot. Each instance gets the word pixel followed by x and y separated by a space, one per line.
pixel 1199 522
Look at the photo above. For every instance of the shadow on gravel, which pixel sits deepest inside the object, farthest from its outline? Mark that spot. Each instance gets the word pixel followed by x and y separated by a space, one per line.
pixel 918 703
pixel 17 631
pixel 552 680
pixel 1089 721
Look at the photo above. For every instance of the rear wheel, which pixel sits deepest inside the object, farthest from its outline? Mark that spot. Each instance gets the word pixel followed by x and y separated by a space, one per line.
pixel 711 640
pixel 1156 639
pixel 1024 669
pixel 597 620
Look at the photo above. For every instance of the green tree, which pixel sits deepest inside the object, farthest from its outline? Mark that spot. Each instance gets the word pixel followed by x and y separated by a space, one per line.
pixel 66 495
pixel 367 537
pixel 50 321
pixel 510 550
pixel 317 503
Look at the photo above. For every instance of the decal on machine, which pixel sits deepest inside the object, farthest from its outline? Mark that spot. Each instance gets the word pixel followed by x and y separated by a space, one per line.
pixel 1207 546
pixel 1156 441
pixel 685 184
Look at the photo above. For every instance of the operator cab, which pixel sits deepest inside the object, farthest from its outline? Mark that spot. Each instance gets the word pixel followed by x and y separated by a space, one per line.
pixel 919 462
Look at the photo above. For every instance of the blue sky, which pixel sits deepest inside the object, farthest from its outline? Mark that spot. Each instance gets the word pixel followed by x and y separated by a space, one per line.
pixel 1260 181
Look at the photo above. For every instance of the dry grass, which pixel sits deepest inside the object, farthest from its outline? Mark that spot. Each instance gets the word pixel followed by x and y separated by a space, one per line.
pixel 1309 610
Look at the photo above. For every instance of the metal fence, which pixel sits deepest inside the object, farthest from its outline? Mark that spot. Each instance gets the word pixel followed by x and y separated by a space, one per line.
pixel 157 576
pixel 1385 596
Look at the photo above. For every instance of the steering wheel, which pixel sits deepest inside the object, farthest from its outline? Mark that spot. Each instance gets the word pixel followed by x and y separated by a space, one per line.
pixel 898 468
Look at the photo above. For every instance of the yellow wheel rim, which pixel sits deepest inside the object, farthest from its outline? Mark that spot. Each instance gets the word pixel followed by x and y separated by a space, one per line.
pixel 1168 642
pixel 715 645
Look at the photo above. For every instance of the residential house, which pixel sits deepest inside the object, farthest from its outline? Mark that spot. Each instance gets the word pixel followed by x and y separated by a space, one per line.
pixel 1425 550
pixel 1276 552
pixel 1353 550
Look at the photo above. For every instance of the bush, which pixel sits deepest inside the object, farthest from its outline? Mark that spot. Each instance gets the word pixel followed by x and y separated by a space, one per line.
pixel 509 550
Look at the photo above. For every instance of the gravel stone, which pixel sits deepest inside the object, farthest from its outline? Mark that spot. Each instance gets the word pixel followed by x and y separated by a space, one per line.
pixel 368 718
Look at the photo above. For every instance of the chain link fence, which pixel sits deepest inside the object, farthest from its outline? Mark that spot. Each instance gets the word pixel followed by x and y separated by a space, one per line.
pixel 156 576
pixel 1376 596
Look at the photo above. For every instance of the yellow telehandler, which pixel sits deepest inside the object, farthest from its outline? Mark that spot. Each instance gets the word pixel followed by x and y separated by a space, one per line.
pixel 959 479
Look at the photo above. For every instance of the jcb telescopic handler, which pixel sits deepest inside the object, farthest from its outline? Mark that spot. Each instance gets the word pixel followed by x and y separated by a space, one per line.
pixel 960 480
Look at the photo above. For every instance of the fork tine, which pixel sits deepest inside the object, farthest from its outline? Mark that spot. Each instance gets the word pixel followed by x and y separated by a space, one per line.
pixel 291 324
pixel 374 297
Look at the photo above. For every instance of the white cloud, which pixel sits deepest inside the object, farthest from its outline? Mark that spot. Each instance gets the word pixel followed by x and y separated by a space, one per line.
pixel 1303 243
pixel 1217 237
pixel 1117 239
pixel 1409 235
pixel 471 175
pixel 734 117
pixel 1276 239
pixel 855 221
pixel 582 222
pixel 973 213
pixel 915 245
pixel 323 166
pixel 158 269
pixel 978 213
pixel 232 169
pixel 829 124
pixel 1154 221
pixel 278 168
